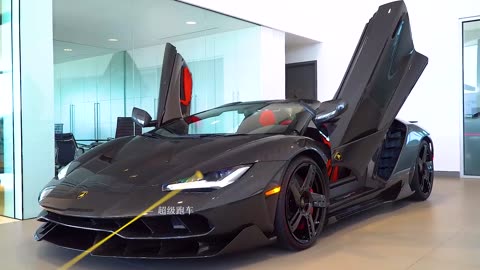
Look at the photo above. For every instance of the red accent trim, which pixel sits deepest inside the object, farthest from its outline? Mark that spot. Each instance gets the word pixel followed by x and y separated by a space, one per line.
pixel 324 140
pixel 192 119
pixel 187 86
pixel 334 177
pixel 332 171
pixel 329 167
pixel 286 122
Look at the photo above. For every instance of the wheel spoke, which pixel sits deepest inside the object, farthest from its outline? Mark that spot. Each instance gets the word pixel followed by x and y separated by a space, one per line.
pixel 311 226
pixel 307 184
pixel 295 221
pixel 428 178
pixel 295 189
pixel 424 154
pixel 426 185
pixel 420 177
pixel 420 164
pixel 319 200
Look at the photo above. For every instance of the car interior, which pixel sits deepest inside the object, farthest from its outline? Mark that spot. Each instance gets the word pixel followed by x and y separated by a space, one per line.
pixel 265 121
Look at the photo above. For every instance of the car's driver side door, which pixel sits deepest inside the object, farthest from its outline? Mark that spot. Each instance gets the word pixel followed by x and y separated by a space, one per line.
pixel 175 93
pixel 381 74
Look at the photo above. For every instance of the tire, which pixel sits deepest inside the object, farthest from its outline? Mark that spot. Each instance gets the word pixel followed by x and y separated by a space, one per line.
pixel 300 216
pixel 422 180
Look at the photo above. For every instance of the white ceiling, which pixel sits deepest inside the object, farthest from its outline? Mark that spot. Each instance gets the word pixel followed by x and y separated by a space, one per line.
pixel 292 40
pixel 86 25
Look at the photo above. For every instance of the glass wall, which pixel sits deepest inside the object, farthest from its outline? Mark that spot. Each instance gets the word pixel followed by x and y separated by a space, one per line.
pixel 471 97
pixel 6 112
pixel 112 62
pixel 107 58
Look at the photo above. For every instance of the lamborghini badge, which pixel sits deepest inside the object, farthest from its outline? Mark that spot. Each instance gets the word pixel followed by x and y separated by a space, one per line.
pixel 337 156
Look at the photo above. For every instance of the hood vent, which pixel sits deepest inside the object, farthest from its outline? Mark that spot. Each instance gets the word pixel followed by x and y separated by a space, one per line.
pixel 106 158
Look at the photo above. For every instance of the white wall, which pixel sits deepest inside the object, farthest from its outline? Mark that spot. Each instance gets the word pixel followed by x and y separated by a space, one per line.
pixel 300 16
pixel 435 101
pixel 272 64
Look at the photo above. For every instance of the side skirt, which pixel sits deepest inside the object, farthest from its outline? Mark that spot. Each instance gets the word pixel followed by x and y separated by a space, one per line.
pixel 365 201
pixel 356 209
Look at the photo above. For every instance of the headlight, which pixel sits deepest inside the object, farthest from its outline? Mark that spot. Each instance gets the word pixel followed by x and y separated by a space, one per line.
pixel 213 180
pixel 63 171
pixel 45 193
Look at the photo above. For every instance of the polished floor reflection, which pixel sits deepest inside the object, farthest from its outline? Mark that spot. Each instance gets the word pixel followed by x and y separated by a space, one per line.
pixel 441 233
pixel 4 220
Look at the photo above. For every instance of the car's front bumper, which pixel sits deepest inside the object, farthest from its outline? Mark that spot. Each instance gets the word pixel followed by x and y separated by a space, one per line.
pixel 231 227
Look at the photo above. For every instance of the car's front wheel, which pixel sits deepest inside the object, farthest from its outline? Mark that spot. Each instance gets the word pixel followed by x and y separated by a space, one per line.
pixel 301 209
pixel 422 181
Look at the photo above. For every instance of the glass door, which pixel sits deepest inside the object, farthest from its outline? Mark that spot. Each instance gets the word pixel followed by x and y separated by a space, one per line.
pixel 6 112
pixel 90 94
pixel 471 98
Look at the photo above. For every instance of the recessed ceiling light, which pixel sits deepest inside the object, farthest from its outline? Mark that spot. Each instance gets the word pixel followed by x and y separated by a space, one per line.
pixel 112 39
pixel 67 49
pixel 191 22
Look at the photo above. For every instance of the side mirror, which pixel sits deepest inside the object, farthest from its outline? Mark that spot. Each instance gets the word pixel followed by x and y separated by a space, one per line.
pixel 329 110
pixel 141 117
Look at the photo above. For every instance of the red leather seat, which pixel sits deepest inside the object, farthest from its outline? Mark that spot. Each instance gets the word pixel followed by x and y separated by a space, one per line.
pixel 267 118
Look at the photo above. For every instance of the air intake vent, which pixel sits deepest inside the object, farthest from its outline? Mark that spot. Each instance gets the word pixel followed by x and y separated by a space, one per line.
pixel 391 149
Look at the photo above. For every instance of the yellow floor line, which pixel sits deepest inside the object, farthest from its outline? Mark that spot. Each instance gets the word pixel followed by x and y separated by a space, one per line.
pixel 198 175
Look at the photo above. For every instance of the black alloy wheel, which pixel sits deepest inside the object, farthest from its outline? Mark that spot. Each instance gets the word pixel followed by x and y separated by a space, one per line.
pixel 302 205
pixel 422 182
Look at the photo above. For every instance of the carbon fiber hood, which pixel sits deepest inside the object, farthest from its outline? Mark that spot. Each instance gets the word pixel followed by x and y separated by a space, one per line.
pixel 127 174
pixel 150 162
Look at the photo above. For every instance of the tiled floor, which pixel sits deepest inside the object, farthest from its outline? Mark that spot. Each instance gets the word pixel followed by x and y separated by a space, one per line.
pixel 441 233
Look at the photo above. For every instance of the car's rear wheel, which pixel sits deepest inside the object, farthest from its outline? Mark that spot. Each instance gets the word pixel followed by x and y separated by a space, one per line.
pixel 422 182
pixel 301 209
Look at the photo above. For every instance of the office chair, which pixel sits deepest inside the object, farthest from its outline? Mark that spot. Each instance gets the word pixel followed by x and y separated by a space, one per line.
pixel 66 149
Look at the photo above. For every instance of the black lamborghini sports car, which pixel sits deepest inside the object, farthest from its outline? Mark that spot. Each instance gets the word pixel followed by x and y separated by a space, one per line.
pixel 272 170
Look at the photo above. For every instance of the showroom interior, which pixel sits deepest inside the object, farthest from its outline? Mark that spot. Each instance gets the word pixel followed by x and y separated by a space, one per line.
pixel 72 71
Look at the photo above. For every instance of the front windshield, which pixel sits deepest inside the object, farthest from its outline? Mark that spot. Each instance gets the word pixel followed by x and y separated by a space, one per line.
pixel 248 118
